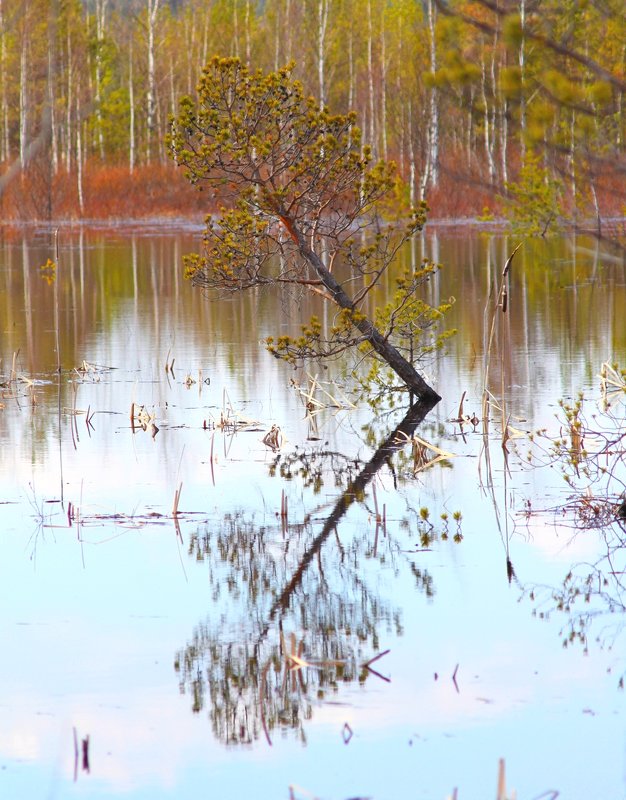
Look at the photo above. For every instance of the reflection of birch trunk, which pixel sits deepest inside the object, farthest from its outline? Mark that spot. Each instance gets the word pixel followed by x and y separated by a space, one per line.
pixel 396 439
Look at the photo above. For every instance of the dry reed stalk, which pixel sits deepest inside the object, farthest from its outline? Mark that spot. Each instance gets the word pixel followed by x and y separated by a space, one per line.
pixel 262 688
pixel 177 500
pixel 375 503
pixel 283 505
pixel 501 780
pixel 459 416
pixel 502 303
pixel 211 457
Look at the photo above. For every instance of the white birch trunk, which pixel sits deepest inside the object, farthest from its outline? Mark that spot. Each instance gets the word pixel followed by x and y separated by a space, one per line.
pixel 101 7
pixel 79 155
pixel 504 136
pixel 289 42
pixel 131 116
pixel 277 37
pixel 383 87
pixel 153 8
pixel 54 138
pixel 235 47
pixel 412 169
pixel 433 130
pixel 351 72
pixel 4 140
pixel 322 23
pixel 205 38
pixel 487 125
pixel 23 103
pixel 68 108
pixel 522 65
pixel 370 80
pixel 248 37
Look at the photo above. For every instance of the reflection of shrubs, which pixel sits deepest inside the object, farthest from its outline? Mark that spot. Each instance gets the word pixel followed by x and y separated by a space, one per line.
pixel 590 451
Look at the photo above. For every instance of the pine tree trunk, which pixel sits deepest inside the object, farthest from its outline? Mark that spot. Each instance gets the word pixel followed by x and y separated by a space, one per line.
pixel 398 363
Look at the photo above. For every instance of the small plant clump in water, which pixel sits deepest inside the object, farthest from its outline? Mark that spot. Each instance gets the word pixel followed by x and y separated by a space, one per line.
pixel 590 451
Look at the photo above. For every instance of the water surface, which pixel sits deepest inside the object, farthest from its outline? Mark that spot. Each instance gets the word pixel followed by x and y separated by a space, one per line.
pixel 223 650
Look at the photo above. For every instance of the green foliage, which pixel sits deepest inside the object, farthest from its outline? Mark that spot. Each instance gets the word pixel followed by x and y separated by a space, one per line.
pixel 298 186
pixel 534 199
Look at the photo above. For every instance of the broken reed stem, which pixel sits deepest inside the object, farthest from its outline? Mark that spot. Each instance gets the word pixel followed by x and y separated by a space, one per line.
pixel 501 780
pixel 460 413
pixel 211 457
pixel 75 754
pixel 372 660
pixel 375 502
pixel 177 499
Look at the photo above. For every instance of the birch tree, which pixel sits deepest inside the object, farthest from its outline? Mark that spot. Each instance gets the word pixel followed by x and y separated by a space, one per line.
pixel 151 18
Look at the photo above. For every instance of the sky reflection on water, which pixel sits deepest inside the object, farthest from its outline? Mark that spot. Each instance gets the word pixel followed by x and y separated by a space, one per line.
pixel 96 613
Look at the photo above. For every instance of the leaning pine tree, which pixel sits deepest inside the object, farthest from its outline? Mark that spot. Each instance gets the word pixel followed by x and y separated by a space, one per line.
pixel 299 194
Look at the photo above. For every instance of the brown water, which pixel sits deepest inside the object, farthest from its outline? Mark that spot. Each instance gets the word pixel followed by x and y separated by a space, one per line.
pixel 223 651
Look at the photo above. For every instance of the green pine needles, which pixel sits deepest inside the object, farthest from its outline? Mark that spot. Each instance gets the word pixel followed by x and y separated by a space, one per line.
pixel 302 203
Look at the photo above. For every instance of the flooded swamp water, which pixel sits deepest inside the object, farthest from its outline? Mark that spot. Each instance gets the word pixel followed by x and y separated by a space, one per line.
pixel 187 610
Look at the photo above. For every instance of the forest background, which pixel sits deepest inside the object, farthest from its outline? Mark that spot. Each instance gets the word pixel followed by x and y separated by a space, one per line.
pixel 488 108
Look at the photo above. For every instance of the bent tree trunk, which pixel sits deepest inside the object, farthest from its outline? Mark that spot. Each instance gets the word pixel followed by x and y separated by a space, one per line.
pixel 398 363
pixel 394 442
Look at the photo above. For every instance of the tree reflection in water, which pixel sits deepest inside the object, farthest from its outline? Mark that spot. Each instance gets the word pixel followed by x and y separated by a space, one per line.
pixel 300 611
